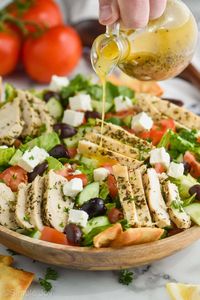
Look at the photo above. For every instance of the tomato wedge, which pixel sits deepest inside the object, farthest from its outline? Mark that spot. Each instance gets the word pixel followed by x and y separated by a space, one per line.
pixel 121 114
pixel 83 177
pixel 194 164
pixel 108 167
pixel 13 176
pixel 53 236
pixel 159 168
pixel 112 186
pixel 158 130
pixel 72 152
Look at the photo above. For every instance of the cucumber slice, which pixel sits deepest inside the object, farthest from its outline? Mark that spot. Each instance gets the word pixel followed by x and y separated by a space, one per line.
pixel 97 106
pixel 91 163
pixel 96 222
pixel 89 192
pixel 72 142
pixel 193 210
pixel 14 160
pixel 55 108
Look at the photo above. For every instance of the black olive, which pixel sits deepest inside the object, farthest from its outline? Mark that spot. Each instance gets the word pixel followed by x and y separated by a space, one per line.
pixel 50 94
pixel 94 207
pixel 195 189
pixel 187 167
pixel 174 101
pixel 59 151
pixel 92 115
pixel 64 130
pixel 38 170
pixel 74 234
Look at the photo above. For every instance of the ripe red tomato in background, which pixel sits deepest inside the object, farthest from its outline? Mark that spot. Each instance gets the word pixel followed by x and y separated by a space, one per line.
pixel 13 176
pixel 10 46
pixel 45 13
pixel 57 51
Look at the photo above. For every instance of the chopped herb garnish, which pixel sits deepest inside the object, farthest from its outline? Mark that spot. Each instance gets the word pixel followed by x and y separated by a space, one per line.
pixel 31 157
pixel 51 274
pixel 125 277
pixel 46 285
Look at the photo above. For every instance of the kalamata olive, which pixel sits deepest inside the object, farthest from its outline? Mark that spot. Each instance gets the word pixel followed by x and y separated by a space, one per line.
pixel 51 94
pixel 74 234
pixel 64 130
pixel 195 189
pixel 59 151
pixel 94 207
pixel 187 167
pixel 92 115
pixel 39 170
pixel 114 215
pixel 174 101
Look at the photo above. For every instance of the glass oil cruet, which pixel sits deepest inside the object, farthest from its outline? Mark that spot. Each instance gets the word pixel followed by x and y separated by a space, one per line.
pixel 159 51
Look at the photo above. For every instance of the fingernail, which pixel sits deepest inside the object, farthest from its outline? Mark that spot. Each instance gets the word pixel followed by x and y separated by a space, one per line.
pixel 105 13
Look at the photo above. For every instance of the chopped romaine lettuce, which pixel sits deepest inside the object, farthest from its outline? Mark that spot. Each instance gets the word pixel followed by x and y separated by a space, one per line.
pixel 54 164
pixel 184 183
pixel 46 141
pixel 88 238
pixel 104 191
pixel 5 155
pixel 10 92
pixel 189 135
pixel 15 158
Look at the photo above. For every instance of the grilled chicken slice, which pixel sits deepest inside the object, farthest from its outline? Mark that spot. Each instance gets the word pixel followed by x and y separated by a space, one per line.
pixel 11 125
pixel 55 206
pixel 114 145
pixel 155 199
pixel 34 199
pixel 143 212
pixel 90 149
pixel 174 205
pixel 29 115
pixel 126 194
pixel 20 212
pixel 7 207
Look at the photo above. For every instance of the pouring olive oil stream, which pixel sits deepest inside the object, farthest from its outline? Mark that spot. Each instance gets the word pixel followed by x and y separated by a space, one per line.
pixel 160 51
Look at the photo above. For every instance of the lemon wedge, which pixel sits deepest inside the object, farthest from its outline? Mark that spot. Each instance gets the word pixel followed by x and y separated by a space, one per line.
pixel 179 291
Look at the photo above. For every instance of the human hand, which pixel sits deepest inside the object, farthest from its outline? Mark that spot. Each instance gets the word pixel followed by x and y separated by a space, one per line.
pixel 132 13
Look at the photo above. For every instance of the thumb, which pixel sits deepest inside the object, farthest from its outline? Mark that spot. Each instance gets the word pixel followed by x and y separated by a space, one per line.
pixel 108 11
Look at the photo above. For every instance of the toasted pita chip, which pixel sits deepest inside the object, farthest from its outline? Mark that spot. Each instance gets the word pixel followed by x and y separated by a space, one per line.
pixel 13 283
pixel 104 238
pixel 90 149
pixel 149 87
pixel 136 236
pixel 6 260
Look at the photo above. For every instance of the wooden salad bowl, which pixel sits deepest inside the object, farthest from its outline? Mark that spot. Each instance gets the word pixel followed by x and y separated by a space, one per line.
pixel 85 258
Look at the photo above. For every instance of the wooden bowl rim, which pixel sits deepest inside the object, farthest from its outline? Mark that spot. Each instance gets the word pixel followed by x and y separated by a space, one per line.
pixel 74 249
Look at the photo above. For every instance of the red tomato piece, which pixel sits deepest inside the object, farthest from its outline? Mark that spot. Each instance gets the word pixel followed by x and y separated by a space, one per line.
pixel 83 177
pixel 112 186
pixel 194 164
pixel 53 236
pixel 13 176
pixel 159 168
pixel 108 167
pixel 72 152
pixel 114 215
pixel 121 114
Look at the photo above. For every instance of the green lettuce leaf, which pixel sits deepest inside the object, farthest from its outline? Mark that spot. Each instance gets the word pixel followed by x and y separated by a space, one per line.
pixel 5 155
pixel 54 164
pixel 104 191
pixel 88 238
pixel 184 183
pixel 46 141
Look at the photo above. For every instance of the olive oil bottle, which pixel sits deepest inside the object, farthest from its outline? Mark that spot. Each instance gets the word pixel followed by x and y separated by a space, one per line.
pixel 159 51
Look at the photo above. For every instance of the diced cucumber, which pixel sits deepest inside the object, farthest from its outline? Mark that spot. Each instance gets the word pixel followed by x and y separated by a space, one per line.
pixel 72 142
pixel 89 192
pixel 91 163
pixel 14 160
pixel 115 121
pixel 5 155
pixel 127 121
pixel 193 210
pixel 96 222
pixel 97 106
pixel 55 108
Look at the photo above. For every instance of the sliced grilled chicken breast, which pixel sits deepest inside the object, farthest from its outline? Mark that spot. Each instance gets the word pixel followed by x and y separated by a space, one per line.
pixel 155 199
pixel 22 218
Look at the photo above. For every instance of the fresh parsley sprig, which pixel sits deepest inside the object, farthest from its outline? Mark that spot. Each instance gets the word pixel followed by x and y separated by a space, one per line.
pixel 51 274
pixel 125 277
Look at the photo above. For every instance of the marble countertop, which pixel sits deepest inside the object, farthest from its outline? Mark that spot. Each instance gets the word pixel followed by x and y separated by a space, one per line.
pixel 150 280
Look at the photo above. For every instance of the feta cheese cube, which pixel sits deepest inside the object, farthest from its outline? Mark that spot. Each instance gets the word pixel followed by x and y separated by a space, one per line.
pixel 100 174
pixel 80 102
pixel 73 187
pixel 79 217
pixel 141 122
pixel 160 156
pixel 73 118
pixel 176 170
pixel 122 103
pixel 77 172
pixel 3 147
pixel 58 82
pixel 31 158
